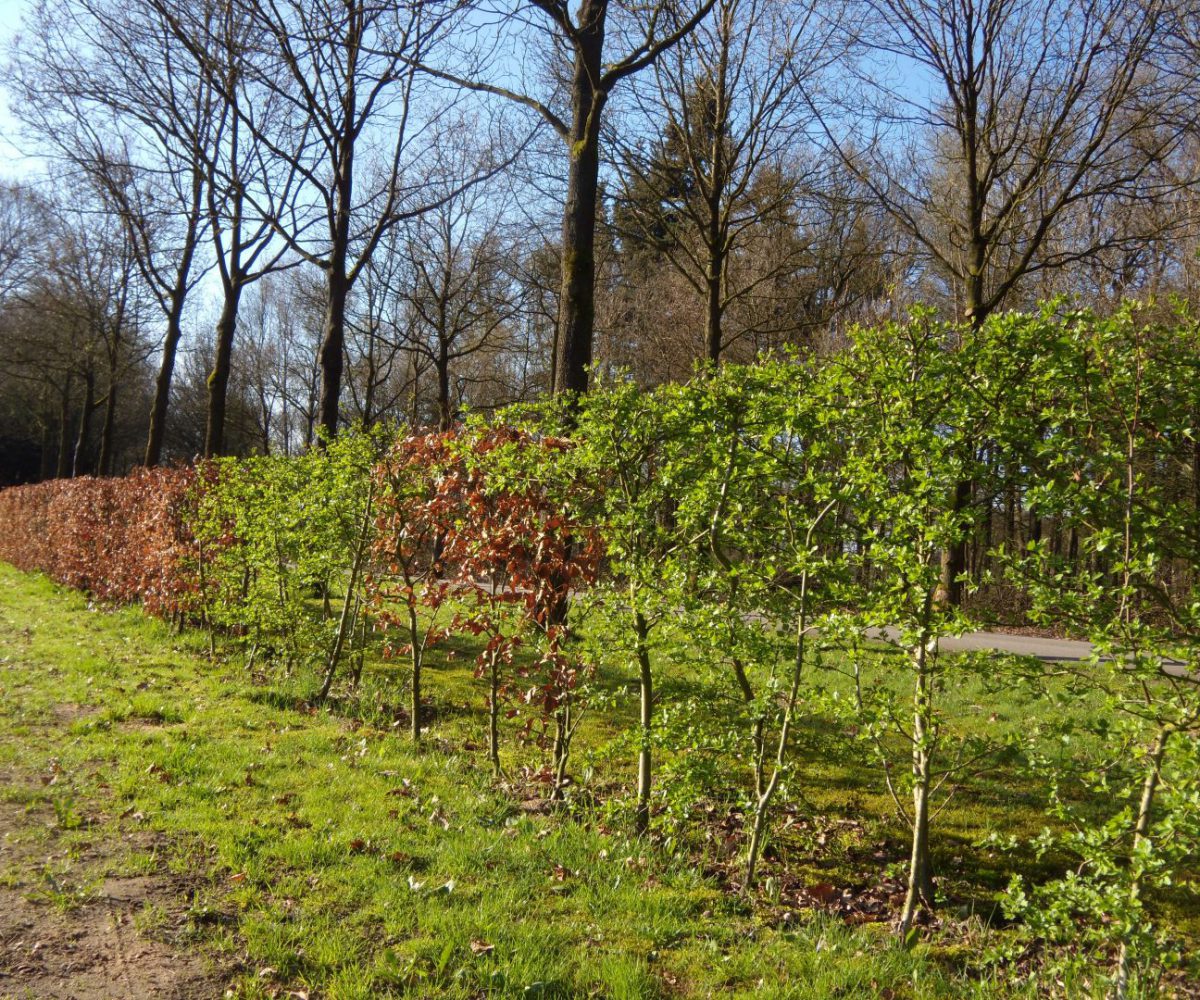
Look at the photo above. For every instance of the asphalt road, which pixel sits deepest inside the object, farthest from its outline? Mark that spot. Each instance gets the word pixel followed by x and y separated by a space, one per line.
pixel 1050 650
pixel 1056 650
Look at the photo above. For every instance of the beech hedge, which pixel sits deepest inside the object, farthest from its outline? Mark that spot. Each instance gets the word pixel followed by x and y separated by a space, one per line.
pixel 122 540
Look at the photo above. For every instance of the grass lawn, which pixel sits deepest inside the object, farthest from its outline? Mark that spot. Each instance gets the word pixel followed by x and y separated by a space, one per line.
pixel 311 853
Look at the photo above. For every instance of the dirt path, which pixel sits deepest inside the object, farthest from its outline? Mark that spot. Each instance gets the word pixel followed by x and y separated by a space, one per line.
pixel 71 929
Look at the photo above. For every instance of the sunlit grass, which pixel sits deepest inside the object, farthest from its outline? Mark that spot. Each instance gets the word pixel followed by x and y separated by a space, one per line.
pixel 349 864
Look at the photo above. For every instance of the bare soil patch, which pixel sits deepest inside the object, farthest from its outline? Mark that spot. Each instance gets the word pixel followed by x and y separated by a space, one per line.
pixel 70 932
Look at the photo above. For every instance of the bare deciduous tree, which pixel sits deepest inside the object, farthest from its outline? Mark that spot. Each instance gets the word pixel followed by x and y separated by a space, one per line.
pixel 1017 112
pixel 358 133
pixel 103 86
pixel 581 77
pixel 729 114
pixel 461 302
pixel 1013 114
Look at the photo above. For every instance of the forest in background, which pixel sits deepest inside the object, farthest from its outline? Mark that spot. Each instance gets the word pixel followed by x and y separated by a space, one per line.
pixel 262 218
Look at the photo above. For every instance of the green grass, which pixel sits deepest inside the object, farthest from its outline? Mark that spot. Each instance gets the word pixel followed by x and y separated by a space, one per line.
pixel 334 854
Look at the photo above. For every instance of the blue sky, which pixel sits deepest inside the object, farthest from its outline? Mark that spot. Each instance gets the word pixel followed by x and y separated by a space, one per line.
pixel 12 163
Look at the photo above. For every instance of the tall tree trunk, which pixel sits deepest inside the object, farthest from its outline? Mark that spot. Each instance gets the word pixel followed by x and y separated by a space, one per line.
pixel 577 299
pixel 712 322
pixel 414 397
pixel 218 380
pixel 987 542
pixel 445 414
pixel 175 297
pixel 45 468
pixel 162 383
pixel 63 466
pixel 954 558
pixel 716 235
pixel 105 460
pixel 85 423
pixel 104 457
pixel 333 341
pixel 368 404
pixel 333 338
